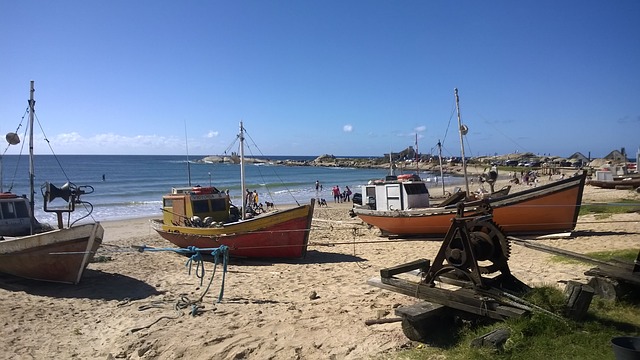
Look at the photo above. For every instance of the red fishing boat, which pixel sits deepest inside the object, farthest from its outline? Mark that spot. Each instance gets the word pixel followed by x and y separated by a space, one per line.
pixel 205 218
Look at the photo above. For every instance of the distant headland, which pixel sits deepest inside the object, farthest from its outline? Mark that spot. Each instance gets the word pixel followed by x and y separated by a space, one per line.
pixel 408 160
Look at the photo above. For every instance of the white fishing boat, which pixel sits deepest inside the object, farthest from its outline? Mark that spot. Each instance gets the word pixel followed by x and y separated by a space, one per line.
pixel 35 251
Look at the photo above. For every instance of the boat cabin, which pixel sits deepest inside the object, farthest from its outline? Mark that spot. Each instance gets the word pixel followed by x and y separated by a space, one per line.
pixel 206 203
pixel 396 193
pixel 15 218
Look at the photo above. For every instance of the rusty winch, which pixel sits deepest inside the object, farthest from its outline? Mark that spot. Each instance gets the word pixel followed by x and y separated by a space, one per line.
pixel 474 245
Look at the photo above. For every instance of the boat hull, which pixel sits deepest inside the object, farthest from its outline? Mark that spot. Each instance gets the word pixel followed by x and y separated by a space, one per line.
pixel 548 209
pixel 279 234
pixel 58 256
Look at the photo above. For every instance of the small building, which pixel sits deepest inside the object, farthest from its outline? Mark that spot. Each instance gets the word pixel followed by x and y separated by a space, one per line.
pixel 616 156
pixel 579 157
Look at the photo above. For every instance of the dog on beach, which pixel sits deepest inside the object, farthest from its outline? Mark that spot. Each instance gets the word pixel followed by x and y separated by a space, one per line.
pixel 322 202
pixel 270 205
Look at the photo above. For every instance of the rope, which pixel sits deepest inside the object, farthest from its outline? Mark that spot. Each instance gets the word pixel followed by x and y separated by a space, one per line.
pixel 220 254
pixel 515 301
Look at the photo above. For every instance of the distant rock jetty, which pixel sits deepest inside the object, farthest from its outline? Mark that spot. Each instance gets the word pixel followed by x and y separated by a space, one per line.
pixel 323 160
pixel 405 162
pixel 327 160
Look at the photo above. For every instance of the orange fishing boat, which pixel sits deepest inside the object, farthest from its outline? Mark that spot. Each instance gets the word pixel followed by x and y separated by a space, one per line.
pixel 397 208
pixel 401 206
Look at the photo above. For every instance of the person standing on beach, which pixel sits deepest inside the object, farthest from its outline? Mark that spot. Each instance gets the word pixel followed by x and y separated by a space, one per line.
pixel 347 194
pixel 249 199
pixel 336 194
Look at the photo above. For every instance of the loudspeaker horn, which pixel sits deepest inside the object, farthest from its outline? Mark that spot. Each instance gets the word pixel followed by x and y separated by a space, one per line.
pixel 64 192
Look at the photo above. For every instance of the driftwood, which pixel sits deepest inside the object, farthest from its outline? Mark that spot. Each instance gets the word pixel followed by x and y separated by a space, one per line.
pixel 382 321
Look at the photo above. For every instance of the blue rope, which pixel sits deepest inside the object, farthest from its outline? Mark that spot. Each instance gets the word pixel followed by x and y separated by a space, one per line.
pixel 220 254
pixel 222 251
pixel 197 257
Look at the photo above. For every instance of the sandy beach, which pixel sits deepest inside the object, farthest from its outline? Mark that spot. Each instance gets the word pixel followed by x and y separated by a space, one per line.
pixel 314 308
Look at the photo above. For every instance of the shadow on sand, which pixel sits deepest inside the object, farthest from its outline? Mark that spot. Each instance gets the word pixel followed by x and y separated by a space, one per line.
pixel 94 285
pixel 313 257
pixel 600 233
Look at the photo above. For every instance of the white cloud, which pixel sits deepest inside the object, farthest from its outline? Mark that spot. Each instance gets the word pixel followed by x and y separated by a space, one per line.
pixel 421 128
pixel 69 138
pixel 110 143
pixel 212 134
pixel 347 128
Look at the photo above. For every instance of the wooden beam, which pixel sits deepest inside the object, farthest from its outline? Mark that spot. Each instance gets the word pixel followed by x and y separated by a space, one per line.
pixel 421 264
pixel 462 299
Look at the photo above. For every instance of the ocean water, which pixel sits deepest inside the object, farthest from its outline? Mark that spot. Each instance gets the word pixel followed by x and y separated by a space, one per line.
pixel 133 185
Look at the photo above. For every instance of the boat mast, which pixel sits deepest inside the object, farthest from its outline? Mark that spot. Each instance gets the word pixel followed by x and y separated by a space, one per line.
pixel 441 170
pixel 462 129
pixel 32 105
pixel 243 186
pixel 186 140
pixel 416 156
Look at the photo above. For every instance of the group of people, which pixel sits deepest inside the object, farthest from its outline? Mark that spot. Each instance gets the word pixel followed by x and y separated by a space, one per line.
pixel 252 202
pixel 341 196
pixel 528 178
pixel 338 196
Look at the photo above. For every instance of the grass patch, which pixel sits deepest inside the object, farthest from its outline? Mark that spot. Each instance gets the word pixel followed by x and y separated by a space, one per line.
pixel 101 259
pixel 628 255
pixel 622 206
pixel 539 336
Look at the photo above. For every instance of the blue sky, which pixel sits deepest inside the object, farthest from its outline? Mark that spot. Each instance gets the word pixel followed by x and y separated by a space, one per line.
pixel 324 77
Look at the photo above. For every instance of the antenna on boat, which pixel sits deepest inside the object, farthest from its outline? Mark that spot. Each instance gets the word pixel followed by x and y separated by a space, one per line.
pixel 32 105
pixel 243 186
pixel 186 140
pixel 462 129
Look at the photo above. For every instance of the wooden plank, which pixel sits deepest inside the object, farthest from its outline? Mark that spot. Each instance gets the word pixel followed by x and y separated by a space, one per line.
pixel 421 264
pixel 461 299
pixel 579 298
pixel 494 339
pixel 420 311
pixel 615 273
